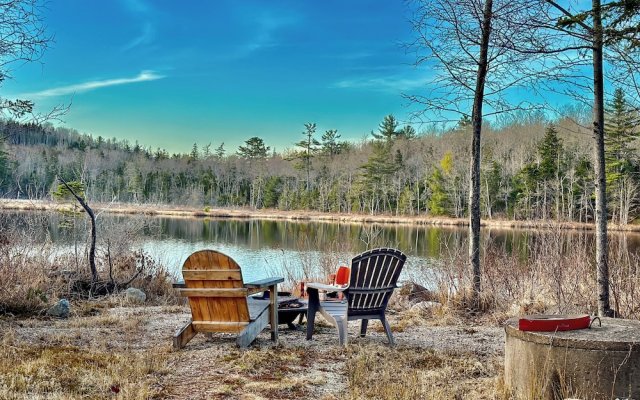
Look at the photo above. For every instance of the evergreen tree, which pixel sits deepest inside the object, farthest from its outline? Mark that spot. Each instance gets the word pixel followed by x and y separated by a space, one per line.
pixel 388 129
pixel 255 149
pixel 464 122
pixel 619 134
pixel 620 162
pixel 377 172
pixel 4 165
pixel 408 132
pixel 272 192
pixel 330 144
pixel 310 147
pixel 220 151
pixel 206 152
pixel 380 165
pixel 193 156
pixel 549 149
pixel 438 199
pixel 536 187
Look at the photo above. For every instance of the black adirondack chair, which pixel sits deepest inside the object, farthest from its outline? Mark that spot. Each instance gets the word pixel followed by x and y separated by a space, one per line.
pixel 374 275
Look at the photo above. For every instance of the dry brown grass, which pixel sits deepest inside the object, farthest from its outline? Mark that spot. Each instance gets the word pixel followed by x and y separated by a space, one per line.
pixel 35 275
pixel 26 267
pixel 56 369
pixel 553 272
pixel 411 373
pixel 82 357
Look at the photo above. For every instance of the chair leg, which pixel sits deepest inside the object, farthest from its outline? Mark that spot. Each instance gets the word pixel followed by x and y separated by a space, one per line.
pixel 387 329
pixel 183 336
pixel 313 307
pixel 363 327
pixel 341 324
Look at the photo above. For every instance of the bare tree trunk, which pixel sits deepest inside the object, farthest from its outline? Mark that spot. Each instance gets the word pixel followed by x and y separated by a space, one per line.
pixel 474 184
pixel 600 174
pixel 92 216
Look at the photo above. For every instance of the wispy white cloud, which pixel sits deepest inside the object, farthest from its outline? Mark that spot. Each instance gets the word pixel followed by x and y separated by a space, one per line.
pixel 142 11
pixel 266 26
pixel 83 87
pixel 385 84
pixel 146 37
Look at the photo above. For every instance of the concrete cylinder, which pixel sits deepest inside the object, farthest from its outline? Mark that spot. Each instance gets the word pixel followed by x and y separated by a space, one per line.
pixel 597 363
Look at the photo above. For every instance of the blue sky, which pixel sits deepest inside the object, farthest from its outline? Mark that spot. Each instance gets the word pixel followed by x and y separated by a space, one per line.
pixel 169 73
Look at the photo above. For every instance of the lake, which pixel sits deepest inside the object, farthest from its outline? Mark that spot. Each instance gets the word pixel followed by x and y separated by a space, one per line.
pixel 295 250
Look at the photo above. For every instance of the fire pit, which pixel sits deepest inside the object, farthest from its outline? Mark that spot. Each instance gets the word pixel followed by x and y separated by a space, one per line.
pixel 289 308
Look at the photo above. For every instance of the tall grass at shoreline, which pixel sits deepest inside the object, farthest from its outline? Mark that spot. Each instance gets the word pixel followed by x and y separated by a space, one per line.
pixel 553 273
pixel 34 273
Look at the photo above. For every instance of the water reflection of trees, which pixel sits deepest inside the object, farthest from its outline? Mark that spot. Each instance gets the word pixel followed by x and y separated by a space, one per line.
pixel 420 241
pixel 255 234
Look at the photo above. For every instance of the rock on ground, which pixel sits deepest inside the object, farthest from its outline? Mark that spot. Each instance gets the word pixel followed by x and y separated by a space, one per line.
pixel 60 310
pixel 135 296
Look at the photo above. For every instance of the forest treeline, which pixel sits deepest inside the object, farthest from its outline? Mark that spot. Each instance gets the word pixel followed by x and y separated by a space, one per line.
pixel 532 168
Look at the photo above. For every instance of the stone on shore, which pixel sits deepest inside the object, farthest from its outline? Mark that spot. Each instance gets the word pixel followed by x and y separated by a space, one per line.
pixel 135 296
pixel 426 306
pixel 60 310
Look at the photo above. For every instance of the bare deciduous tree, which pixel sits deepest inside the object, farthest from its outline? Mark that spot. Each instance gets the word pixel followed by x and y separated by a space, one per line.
pixel 469 45
pixel 610 34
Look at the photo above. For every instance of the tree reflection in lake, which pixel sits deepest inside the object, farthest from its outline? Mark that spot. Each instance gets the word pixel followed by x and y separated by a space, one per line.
pixel 302 249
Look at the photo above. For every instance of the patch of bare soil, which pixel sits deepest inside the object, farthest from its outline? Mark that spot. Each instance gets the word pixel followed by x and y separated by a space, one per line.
pixel 455 361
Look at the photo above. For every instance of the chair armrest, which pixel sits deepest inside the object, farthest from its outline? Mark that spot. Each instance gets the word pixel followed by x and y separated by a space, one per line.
pixel 263 283
pixel 325 287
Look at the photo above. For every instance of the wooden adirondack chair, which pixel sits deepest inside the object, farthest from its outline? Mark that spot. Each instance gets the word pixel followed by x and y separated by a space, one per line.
pixel 374 275
pixel 219 303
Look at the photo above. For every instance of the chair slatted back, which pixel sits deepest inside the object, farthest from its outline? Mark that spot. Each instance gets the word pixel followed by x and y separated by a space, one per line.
pixel 209 269
pixel 374 275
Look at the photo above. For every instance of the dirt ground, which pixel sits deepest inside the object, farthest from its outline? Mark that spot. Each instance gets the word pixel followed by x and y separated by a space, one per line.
pixel 459 359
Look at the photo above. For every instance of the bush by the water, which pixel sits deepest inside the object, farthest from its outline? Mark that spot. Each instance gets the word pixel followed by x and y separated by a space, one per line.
pixel 36 274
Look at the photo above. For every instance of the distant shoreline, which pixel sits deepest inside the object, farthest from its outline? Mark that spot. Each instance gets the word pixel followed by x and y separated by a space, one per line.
pixel 163 210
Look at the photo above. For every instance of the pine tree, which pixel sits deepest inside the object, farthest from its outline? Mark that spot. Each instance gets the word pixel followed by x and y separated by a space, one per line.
pixel 193 156
pixel 620 163
pixel 220 151
pixel 408 132
pixel 310 147
pixel 255 149
pixel 206 152
pixel 4 165
pixel 619 134
pixel 550 149
pixel 330 144
pixel 387 129
pixel 439 199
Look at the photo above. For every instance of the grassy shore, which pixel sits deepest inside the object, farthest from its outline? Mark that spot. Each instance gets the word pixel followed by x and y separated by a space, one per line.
pixel 108 350
pixel 300 215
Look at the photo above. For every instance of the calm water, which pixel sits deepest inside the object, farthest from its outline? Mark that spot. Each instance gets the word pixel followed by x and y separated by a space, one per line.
pixel 266 248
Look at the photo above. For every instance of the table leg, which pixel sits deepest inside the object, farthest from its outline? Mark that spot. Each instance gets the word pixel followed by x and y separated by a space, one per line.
pixel 273 318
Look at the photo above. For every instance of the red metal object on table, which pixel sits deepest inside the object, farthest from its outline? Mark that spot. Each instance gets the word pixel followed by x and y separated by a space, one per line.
pixel 553 323
pixel 342 276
